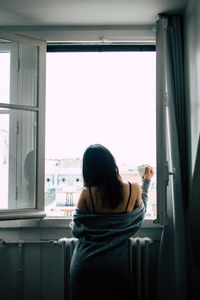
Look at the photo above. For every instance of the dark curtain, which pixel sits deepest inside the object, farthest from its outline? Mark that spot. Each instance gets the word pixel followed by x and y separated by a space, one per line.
pixel 172 273
pixel 194 210
pixel 176 77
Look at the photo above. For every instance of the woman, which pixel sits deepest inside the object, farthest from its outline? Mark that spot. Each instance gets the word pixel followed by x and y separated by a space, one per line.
pixel 109 212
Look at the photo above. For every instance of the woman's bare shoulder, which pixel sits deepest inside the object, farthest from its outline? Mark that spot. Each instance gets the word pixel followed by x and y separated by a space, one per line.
pixel 134 185
pixel 82 202
pixel 136 188
pixel 85 190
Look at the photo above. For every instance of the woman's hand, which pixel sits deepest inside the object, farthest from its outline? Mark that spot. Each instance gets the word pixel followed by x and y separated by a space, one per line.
pixel 149 172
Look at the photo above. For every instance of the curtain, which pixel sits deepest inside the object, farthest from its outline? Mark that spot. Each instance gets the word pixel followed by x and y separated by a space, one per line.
pixel 176 81
pixel 172 272
pixel 194 209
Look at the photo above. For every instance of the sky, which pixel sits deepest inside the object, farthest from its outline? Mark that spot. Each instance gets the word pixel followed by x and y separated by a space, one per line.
pixel 102 97
pixel 98 97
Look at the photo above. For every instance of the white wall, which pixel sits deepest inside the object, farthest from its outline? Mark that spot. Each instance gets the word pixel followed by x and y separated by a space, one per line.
pixel 35 271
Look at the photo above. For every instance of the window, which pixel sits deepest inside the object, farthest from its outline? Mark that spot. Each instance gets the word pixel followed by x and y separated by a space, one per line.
pixel 105 95
pixel 22 122
pixel 21 126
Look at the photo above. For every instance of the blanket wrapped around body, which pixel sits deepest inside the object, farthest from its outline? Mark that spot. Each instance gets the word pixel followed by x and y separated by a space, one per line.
pixel 100 262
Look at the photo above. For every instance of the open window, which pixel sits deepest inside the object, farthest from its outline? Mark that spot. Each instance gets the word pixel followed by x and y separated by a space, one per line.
pixel 22 115
pixel 26 187
pixel 98 94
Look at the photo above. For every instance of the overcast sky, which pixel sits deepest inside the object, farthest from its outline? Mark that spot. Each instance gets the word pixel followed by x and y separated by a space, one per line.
pixel 102 97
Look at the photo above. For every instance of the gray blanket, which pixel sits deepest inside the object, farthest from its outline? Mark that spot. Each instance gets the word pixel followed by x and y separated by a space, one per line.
pixel 100 232
pixel 100 259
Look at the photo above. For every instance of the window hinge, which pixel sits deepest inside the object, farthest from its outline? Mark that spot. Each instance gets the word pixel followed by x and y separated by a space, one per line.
pixel 17 127
pixel 165 100
pixel 18 67
pixel 16 193
pixel 173 172
pixel 168 173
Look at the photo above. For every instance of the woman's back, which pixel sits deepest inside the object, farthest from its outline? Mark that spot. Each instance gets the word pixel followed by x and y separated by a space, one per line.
pixel 109 213
pixel 91 200
pixel 100 264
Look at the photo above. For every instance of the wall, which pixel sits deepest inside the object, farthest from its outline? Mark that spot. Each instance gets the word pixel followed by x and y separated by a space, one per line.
pixel 35 271
pixel 38 276
pixel 192 89
pixel 192 73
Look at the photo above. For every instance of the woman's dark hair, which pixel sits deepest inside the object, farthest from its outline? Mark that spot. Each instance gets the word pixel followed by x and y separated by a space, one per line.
pixel 100 170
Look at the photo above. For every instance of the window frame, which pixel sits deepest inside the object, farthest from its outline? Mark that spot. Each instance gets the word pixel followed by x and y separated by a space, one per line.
pixel 39 108
pixel 161 131
pixel 83 36
pixel 63 47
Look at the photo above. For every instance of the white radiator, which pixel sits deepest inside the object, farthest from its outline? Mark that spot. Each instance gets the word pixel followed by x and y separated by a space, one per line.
pixel 139 265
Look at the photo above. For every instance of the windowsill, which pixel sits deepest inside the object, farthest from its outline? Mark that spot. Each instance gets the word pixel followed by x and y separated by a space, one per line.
pixel 57 223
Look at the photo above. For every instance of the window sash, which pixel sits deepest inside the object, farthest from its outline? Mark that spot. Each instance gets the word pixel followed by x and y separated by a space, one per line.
pixel 161 104
pixel 39 108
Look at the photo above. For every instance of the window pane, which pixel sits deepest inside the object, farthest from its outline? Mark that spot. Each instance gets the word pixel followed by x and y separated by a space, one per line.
pixel 5 77
pixel 17 159
pixel 98 97
pixel 4 157
pixel 18 73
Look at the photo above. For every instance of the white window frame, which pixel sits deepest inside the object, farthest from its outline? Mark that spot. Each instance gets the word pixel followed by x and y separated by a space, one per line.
pixel 143 35
pixel 39 108
pixel 161 123
pixel 92 48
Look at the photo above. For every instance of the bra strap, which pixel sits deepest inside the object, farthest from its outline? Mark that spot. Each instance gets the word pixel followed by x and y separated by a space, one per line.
pixel 92 200
pixel 129 196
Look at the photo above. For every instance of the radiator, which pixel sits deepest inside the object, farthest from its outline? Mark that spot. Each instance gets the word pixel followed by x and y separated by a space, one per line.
pixel 139 265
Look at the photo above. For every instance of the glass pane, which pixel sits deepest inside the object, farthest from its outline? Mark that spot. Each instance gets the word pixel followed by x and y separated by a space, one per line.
pixel 4 158
pixel 98 97
pixel 4 77
pixel 17 159
pixel 18 73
